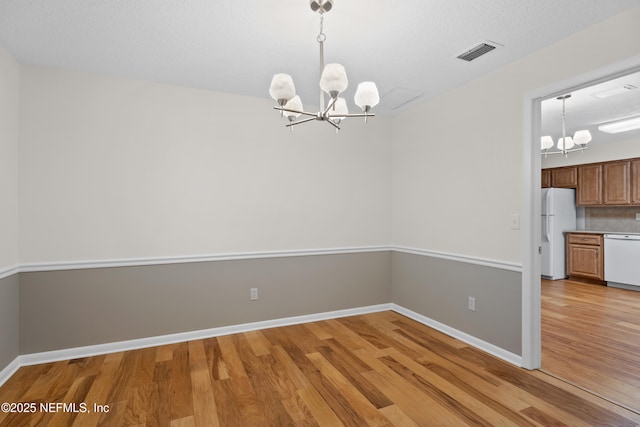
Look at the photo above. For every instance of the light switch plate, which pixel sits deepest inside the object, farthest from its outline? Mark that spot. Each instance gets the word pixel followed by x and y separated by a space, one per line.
pixel 637 216
pixel 515 221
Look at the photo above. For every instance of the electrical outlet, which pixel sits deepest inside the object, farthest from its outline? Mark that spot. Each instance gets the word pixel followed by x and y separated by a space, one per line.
pixel 254 294
pixel 472 304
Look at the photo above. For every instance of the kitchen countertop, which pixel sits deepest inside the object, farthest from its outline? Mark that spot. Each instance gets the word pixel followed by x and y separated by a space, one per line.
pixel 601 232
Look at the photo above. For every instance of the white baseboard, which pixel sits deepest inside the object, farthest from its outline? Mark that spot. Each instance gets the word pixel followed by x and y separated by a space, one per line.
pixel 462 336
pixel 94 350
pixel 9 370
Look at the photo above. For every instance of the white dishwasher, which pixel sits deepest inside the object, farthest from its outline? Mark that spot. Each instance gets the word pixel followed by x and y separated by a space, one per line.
pixel 622 260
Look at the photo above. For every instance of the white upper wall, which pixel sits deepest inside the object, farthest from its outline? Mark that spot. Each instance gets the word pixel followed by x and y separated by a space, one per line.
pixel 9 95
pixel 116 169
pixel 122 169
pixel 457 167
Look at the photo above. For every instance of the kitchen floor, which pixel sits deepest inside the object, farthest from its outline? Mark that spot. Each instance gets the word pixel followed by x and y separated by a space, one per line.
pixel 591 338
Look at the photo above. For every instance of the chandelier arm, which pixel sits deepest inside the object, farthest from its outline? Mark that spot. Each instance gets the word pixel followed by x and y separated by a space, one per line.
pixel 356 115
pixel 334 124
pixel 306 113
pixel 584 147
pixel 300 121
pixel 331 104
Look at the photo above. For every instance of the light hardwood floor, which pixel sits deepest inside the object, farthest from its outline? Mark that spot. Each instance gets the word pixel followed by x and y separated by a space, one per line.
pixel 591 337
pixel 378 369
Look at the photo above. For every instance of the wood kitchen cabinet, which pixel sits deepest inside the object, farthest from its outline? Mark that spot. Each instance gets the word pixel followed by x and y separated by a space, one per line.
pixel 635 182
pixel 589 185
pixel 614 183
pixel 616 179
pixel 545 176
pixel 565 177
pixel 585 257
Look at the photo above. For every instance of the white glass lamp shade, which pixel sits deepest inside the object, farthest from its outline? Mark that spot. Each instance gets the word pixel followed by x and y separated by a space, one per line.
pixel 567 144
pixel 367 95
pixel 582 137
pixel 546 142
pixel 282 88
pixel 294 103
pixel 333 79
pixel 339 109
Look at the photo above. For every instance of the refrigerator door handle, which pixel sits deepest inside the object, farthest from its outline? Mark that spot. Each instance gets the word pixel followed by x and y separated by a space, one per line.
pixel 548 228
pixel 547 215
pixel 547 204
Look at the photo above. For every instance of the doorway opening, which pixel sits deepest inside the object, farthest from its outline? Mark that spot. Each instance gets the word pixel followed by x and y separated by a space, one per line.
pixel 547 304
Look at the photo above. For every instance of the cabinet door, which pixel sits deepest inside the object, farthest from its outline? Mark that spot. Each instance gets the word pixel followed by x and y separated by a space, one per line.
pixel 589 185
pixel 617 180
pixel 635 181
pixel 564 177
pixel 546 178
pixel 585 261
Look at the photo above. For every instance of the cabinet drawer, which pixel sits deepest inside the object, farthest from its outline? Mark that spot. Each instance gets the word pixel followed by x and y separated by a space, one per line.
pixel 585 239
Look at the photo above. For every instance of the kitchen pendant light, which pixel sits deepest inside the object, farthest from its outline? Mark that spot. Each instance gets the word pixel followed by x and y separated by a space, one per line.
pixel 333 81
pixel 566 143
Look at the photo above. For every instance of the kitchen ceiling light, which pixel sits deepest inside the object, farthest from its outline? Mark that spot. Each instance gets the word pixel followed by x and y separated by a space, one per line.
pixel 566 143
pixel 615 91
pixel 333 81
pixel 621 125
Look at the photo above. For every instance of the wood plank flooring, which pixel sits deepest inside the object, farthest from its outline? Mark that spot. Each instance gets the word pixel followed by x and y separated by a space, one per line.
pixel 379 369
pixel 591 337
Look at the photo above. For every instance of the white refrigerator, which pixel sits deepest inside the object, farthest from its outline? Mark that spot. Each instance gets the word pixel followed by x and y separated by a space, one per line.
pixel 558 216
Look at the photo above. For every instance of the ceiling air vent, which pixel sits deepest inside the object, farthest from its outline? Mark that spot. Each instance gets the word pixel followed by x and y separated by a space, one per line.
pixel 476 52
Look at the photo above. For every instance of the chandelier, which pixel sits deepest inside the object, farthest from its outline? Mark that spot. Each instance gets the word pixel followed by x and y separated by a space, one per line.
pixel 566 144
pixel 333 81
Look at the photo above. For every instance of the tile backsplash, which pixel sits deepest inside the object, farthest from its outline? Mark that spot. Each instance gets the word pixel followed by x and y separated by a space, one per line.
pixel 622 219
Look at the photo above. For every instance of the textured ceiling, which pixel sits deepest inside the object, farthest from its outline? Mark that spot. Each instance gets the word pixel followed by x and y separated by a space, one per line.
pixel 407 47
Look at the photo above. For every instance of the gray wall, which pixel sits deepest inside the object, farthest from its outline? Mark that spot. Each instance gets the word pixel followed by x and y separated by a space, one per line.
pixel 440 288
pixel 65 309
pixel 9 328
pixel 73 308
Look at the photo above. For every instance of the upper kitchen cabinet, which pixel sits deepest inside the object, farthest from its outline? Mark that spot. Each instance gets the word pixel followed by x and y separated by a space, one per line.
pixel 565 177
pixel 616 183
pixel 545 176
pixel 589 185
pixel 635 181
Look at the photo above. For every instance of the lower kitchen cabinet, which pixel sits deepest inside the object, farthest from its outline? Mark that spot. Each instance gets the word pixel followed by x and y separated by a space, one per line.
pixel 585 257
